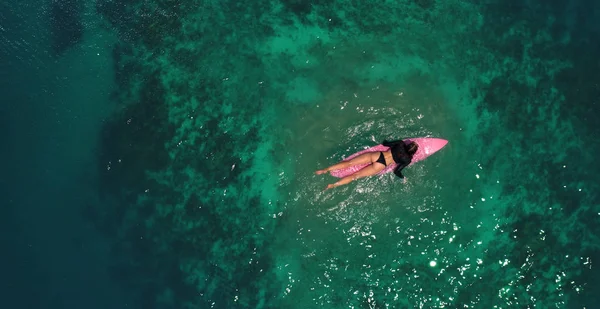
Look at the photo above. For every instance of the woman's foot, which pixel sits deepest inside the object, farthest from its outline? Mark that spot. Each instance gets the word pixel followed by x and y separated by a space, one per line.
pixel 319 172
pixel 330 186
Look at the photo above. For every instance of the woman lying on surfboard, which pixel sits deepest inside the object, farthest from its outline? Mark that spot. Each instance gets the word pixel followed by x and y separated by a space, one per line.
pixel 399 152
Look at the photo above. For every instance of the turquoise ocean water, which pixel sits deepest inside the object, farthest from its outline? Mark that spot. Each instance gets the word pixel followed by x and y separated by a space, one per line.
pixel 161 154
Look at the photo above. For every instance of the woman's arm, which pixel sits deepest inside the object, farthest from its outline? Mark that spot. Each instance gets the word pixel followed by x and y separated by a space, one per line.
pixel 398 169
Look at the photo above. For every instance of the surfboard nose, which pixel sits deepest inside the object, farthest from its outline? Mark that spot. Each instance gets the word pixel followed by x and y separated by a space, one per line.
pixel 436 144
pixel 428 146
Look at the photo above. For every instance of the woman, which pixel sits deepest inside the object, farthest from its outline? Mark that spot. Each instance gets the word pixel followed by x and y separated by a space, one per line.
pixel 399 152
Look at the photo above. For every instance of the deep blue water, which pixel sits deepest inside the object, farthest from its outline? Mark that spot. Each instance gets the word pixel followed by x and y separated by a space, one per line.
pixel 161 155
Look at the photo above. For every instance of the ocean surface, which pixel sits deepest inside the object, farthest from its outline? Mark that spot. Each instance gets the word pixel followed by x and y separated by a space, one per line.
pixel 161 154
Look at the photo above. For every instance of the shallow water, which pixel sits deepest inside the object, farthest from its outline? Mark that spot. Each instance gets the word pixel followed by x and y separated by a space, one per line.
pixel 166 154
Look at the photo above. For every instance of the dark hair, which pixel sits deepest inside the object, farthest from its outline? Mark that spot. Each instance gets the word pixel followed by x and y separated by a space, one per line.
pixel 411 148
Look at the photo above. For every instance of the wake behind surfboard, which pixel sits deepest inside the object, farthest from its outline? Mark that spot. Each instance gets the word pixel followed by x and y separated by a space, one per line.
pixel 427 147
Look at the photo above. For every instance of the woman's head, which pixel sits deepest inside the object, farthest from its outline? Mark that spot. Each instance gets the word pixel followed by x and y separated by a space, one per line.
pixel 411 148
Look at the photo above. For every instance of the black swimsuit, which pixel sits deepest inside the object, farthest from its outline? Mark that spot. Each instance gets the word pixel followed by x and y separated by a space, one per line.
pixel 399 154
pixel 381 159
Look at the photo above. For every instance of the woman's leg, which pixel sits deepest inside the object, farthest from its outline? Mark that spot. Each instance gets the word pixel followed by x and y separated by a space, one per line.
pixel 368 157
pixel 367 171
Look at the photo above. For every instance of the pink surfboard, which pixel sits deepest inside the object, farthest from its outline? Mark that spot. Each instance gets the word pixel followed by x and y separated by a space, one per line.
pixel 427 147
